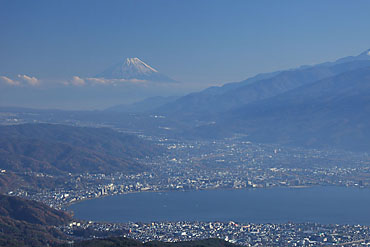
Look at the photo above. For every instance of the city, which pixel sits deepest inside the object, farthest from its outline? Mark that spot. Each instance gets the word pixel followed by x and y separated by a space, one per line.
pixel 172 123
pixel 247 234
pixel 214 165
pixel 189 166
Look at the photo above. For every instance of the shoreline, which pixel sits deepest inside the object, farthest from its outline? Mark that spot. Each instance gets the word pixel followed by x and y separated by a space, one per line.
pixel 64 206
pixel 164 191
pixel 268 196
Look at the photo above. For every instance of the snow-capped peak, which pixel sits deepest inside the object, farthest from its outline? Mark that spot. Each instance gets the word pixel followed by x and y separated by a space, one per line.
pixel 139 65
pixel 133 68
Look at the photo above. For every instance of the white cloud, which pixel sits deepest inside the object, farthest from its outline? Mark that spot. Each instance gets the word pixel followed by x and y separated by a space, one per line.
pixel 78 81
pixel 33 81
pixel 9 81
pixel 113 81
pixel 98 80
pixel 137 81
pixel 22 80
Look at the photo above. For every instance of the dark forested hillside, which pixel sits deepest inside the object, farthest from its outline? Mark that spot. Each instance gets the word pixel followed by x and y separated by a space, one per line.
pixel 103 140
pixel 56 149
pixel 31 211
pixel 29 223
pixel 36 156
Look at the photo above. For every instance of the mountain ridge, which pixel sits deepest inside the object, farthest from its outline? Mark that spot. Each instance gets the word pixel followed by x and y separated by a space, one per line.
pixel 134 69
pixel 219 99
pixel 58 150
pixel 330 113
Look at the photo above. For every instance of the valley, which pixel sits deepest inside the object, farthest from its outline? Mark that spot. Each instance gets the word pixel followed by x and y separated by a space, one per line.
pixel 300 129
pixel 172 123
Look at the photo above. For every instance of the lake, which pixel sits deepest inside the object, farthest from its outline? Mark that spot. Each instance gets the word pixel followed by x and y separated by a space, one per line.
pixel 326 205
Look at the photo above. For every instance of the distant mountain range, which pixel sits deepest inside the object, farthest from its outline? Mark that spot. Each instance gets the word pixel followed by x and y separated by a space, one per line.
pixel 331 113
pixel 134 69
pixel 234 95
pixel 325 105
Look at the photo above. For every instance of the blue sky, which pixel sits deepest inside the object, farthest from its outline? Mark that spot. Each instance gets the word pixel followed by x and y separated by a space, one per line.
pixel 195 41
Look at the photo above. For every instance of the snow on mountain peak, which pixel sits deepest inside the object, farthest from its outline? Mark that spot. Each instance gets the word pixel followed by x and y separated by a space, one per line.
pixel 133 68
pixel 140 66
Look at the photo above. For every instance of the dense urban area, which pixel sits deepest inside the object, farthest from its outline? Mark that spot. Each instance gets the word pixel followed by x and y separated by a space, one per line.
pixel 209 165
pixel 289 234
pixel 229 164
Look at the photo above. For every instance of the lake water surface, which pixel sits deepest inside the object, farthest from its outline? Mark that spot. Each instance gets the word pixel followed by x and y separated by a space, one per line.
pixel 327 205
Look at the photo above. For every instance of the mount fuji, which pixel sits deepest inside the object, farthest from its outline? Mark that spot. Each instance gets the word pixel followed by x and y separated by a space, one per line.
pixel 134 69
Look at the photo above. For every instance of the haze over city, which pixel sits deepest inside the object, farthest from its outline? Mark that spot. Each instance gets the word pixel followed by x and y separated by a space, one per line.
pixel 184 123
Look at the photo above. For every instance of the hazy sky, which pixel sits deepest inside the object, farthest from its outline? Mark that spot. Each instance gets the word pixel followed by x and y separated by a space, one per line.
pixel 190 40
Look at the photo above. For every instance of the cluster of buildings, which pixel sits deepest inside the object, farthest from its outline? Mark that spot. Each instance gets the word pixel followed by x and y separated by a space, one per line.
pixel 220 165
pixel 247 234
pixel 215 165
